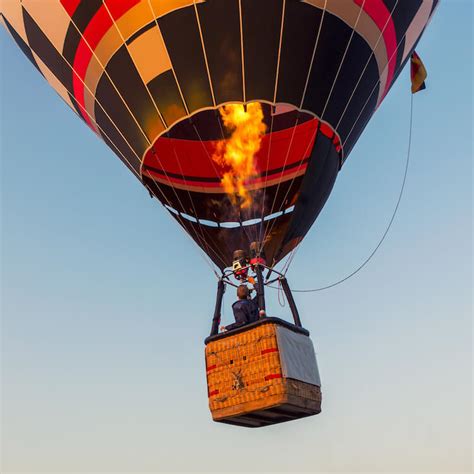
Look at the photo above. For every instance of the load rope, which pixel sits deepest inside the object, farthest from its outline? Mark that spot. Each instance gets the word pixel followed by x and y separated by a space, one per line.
pixel 384 235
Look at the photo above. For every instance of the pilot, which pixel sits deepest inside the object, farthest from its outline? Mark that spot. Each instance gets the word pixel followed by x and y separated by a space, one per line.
pixel 245 309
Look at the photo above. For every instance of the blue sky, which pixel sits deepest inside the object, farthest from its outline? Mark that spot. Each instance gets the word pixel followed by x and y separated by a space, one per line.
pixel 105 301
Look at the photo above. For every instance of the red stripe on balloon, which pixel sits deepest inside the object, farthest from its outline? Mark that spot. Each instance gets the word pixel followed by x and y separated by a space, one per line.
pixel 97 28
pixel 382 17
pixel 282 176
pixel 194 158
pixel 70 6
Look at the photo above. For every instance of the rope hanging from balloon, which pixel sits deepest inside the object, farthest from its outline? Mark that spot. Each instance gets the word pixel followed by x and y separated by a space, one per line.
pixel 291 254
pixel 267 232
pixel 384 235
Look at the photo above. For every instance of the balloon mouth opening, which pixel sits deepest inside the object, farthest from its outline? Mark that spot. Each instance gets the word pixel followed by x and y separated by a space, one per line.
pixel 182 171
pixel 179 170
pixel 187 149
pixel 230 150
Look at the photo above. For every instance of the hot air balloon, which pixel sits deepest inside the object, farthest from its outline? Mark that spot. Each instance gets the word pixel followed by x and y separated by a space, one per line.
pixel 237 115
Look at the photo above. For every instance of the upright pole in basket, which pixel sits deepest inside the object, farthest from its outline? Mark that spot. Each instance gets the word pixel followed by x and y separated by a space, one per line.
pixel 217 311
pixel 260 287
pixel 291 301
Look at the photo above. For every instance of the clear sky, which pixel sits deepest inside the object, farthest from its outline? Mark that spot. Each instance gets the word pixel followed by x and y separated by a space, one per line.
pixel 106 303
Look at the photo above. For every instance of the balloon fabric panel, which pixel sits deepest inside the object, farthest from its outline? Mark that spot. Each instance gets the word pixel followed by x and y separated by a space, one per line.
pixel 152 78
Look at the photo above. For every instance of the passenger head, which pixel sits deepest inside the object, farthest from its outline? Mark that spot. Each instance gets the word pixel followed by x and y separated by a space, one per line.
pixel 242 292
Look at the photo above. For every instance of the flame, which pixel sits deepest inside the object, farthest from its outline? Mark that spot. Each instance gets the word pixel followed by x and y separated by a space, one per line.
pixel 237 153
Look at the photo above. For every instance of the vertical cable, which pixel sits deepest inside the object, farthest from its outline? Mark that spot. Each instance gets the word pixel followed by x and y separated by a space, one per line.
pixel 242 53
pixel 171 62
pixel 204 53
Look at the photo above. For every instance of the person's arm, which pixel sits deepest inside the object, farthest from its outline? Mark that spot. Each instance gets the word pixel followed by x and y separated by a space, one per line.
pixel 234 326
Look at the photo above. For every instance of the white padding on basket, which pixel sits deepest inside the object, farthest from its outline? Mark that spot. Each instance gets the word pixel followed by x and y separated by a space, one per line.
pixel 297 356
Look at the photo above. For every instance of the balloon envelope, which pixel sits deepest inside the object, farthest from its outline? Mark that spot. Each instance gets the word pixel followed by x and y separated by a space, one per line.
pixel 150 78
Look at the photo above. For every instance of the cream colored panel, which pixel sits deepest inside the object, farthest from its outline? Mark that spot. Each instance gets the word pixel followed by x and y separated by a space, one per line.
pixel 132 21
pixel 368 29
pixel 108 45
pixel 162 7
pixel 51 18
pixel 135 19
pixel 11 9
pixel 416 26
pixel 346 11
pixel 150 55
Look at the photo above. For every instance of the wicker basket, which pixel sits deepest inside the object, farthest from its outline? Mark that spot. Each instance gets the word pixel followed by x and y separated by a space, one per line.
pixel 248 383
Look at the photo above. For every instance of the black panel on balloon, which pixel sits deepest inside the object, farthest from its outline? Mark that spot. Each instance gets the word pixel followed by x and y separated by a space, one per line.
pixel 47 52
pixel 402 17
pixel 279 197
pixel 315 189
pixel 390 4
pixel 109 99
pixel 365 97
pixel 354 126
pixel 179 199
pixel 134 93
pixel 332 43
pixel 21 44
pixel 123 129
pixel 207 125
pixel 357 56
pixel 115 140
pixel 299 37
pixel 220 242
pixel 83 14
pixel 217 243
pixel 120 148
pixel 181 34
pixel 165 92
pixel 220 24
pixel 261 30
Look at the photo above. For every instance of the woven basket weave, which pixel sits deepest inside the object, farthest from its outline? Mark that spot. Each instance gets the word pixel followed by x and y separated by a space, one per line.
pixel 245 381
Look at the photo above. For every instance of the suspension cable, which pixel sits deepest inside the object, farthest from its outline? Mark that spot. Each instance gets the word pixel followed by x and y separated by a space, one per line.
pixel 384 235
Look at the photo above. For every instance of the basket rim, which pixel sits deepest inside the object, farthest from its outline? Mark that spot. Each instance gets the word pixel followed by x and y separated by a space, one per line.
pixel 260 322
